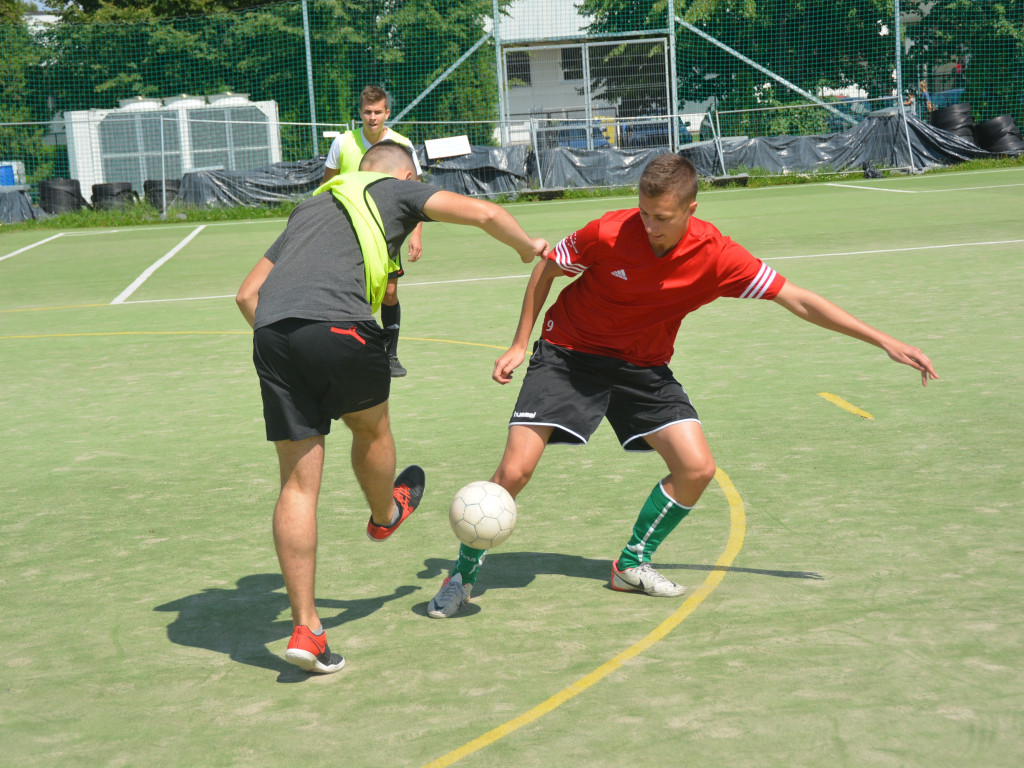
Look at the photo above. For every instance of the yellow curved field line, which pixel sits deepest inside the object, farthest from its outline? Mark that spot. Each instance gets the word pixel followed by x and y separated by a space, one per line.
pixel 737 530
pixel 836 400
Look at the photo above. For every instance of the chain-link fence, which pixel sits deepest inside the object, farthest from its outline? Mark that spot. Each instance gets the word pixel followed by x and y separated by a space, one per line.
pixel 131 103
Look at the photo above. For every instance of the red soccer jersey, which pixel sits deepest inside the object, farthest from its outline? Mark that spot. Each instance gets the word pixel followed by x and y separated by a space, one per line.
pixel 627 303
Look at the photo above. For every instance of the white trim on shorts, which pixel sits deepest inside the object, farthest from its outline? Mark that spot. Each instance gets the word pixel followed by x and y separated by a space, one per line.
pixel 651 432
pixel 579 437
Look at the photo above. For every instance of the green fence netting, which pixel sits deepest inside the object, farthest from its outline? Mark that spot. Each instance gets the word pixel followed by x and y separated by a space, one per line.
pixel 147 98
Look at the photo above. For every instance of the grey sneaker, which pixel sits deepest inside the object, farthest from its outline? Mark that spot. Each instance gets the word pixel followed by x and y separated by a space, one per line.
pixel 397 369
pixel 644 579
pixel 452 596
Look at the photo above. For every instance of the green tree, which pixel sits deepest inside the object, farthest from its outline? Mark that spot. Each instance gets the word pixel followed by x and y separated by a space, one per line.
pixel 13 11
pixel 811 43
pixel 22 110
pixel 105 51
pixel 986 39
pixel 425 37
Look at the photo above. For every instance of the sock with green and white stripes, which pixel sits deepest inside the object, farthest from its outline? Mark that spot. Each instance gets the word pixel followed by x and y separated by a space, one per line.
pixel 658 518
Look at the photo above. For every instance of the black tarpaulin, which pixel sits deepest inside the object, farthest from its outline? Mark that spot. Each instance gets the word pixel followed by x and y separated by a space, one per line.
pixel 16 205
pixel 484 171
pixel 270 185
pixel 880 140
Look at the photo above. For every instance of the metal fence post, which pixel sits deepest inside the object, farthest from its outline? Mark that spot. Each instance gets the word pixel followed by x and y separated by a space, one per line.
pixel 309 78
pixel 536 150
pixel 163 173
pixel 496 33
pixel 588 109
pixel 716 131
pixel 673 85
pixel 899 84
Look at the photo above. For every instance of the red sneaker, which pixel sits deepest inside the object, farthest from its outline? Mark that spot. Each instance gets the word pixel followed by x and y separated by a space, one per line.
pixel 407 494
pixel 310 652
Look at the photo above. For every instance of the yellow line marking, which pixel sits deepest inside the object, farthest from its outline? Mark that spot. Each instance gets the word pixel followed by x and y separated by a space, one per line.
pixel 449 341
pixel 737 530
pixel 836 400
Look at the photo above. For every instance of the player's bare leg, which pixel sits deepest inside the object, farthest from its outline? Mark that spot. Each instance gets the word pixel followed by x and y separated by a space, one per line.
pixel 523 449
pixel 373 459
pixel 301 463
pixel 688 457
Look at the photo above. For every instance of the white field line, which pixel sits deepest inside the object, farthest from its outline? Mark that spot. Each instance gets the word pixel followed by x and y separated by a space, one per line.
pixel 968 189
pixel 870 189
pixel 155 266
pixel 404 285
pixel 30 247
pixel 766 258
pixel 894 250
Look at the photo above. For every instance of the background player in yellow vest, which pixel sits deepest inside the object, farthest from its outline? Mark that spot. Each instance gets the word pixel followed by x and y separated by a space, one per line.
pixel 344 156
pixel 321 356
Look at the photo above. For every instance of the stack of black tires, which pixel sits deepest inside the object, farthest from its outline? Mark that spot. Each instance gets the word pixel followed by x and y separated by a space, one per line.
pixel 118 194
pixel 955 119
pixel 1000 135
pixel 61 195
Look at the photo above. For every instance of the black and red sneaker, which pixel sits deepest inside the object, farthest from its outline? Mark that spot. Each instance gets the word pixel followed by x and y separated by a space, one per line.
pixel 310 652
pixel 407 494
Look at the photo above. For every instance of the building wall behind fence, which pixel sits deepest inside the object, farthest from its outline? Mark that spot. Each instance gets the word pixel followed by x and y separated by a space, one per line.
pixel 765 68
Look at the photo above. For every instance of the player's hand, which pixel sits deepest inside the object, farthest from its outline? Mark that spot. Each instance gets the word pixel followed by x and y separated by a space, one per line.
pixel 915 358
pixel 507 363
pixel 415 247
pixel 538 248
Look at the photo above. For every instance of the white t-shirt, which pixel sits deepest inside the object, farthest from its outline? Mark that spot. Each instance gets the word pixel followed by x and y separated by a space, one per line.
pixel 334 153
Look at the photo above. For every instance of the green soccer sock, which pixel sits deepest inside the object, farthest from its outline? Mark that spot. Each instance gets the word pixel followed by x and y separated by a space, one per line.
pixel 469 563
pixel 658 517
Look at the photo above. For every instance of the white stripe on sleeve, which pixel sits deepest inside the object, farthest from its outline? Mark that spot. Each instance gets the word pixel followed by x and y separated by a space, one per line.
pixel 760 283
pixel 563 258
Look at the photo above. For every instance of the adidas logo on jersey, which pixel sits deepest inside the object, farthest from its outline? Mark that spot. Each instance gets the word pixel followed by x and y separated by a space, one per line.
pixel 620 273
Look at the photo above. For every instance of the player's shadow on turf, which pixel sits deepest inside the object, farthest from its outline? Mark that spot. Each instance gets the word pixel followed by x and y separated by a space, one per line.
pixel 733 569
pixel 242 622
pixel 511 570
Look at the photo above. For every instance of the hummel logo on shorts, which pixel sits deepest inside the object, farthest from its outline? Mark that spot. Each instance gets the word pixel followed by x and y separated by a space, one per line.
pixel 525 415
pixel 621 273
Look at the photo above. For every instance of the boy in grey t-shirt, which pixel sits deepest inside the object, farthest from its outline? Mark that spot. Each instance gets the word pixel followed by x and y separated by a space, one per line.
pixel 321 356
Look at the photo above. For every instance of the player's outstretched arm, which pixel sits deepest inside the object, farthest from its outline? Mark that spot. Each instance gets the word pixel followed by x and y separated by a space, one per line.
pixel 452 208
pixel 533 300
pixel 815 309
pixel 249 294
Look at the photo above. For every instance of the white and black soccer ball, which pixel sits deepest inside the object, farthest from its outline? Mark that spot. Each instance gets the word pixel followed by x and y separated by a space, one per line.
pixel 482 515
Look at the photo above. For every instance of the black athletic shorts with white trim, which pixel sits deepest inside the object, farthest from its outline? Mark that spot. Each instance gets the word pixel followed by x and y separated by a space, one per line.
pixel 313 372
pixel 571 391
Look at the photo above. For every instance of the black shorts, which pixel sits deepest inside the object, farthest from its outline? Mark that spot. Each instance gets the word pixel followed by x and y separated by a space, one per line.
pixel 313 372
pixel 398 272
pixel 572 391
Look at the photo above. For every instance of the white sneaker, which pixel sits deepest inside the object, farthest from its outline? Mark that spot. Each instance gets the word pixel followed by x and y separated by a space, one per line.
pixel 645 579
pixel 452 596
